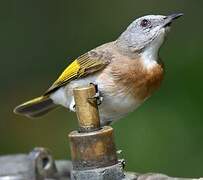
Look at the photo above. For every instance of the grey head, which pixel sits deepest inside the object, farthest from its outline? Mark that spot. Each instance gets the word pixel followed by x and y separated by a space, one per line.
pixel 146 32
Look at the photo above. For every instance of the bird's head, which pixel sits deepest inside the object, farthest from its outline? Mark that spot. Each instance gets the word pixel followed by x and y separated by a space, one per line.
pixel 146 32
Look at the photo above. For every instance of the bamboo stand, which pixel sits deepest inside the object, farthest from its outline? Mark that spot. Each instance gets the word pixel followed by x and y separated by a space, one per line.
pixel 93 149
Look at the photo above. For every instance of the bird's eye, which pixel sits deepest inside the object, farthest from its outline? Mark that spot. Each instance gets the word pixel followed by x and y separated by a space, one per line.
pixel 145 23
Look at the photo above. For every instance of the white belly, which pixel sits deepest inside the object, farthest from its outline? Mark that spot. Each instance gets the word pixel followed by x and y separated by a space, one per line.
pixel 114 105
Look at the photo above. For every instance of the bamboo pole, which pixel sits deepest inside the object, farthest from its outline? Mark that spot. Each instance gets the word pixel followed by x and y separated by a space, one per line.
pixel 93 150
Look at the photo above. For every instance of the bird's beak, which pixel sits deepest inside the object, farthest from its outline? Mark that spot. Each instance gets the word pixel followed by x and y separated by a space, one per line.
pixel 169 19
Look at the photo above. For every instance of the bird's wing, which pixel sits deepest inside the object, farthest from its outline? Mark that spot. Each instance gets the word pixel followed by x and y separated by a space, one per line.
pixel 84 65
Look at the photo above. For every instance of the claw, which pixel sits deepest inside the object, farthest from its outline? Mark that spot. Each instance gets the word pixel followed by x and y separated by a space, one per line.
pixel 97 97
pixel 92 100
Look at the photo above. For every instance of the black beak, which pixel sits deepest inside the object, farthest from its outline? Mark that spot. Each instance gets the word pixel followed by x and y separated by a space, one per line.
pixel 170 18
pixel 174 16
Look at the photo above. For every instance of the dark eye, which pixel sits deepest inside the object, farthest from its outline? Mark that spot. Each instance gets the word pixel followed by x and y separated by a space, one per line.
pixel 145 23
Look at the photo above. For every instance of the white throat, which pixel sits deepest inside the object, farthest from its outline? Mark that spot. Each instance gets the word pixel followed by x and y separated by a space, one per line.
pixel 149 57
pixel 150 54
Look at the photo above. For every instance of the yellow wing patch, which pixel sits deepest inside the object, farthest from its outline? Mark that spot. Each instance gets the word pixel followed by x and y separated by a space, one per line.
pixel 70 72
pixel 82 66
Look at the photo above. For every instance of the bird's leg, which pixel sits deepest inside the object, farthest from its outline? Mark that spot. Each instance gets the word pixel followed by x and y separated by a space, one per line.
pixel 97 96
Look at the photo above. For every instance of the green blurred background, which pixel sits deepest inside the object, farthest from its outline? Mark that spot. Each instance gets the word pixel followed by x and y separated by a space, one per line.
pixel 39 38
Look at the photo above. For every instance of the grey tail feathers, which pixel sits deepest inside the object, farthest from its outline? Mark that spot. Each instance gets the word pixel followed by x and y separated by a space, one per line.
pixel 36 107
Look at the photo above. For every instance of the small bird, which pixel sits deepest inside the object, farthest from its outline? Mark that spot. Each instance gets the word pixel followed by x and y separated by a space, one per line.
pixel 126 71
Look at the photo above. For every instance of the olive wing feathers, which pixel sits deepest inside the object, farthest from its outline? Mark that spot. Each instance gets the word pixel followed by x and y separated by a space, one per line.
pixel 82 66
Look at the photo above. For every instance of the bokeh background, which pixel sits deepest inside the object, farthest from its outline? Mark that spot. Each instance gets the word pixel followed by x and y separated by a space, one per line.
pixel 39 38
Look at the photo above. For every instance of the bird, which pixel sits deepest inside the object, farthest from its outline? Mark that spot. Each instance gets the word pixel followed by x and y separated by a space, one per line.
pixel 126 72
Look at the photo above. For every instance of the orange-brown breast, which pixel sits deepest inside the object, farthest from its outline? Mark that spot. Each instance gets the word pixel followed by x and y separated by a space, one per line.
pixel 134 78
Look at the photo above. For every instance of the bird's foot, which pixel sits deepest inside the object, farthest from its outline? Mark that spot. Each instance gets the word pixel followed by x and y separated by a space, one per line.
pixel 97 97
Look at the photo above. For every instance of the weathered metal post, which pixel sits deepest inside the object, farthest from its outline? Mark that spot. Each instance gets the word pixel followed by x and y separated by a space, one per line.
pixel 93 149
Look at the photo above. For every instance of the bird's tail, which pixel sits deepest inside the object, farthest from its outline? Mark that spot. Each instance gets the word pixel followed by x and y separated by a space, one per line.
pixel 36 107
